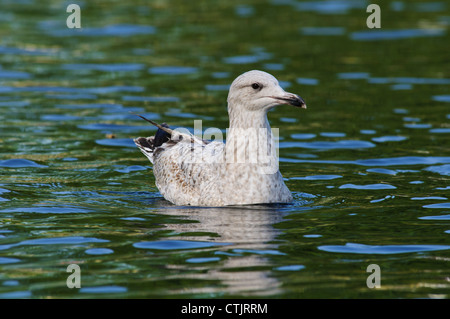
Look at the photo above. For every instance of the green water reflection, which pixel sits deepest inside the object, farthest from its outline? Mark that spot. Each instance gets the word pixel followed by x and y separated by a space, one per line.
pixel 368 161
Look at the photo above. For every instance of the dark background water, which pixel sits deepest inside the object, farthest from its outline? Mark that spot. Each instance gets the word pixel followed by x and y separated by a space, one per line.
pixel 368 161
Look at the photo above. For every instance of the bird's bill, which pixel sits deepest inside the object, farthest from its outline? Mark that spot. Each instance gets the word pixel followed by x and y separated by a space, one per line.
pixel 291 99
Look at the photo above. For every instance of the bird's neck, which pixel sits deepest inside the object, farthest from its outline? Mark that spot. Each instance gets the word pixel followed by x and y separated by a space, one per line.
pixel 247 119
pixel 250 140
pixel 247 123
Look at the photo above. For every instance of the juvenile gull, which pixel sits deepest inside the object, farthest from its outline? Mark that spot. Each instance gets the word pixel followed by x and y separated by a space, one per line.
pixel 244 170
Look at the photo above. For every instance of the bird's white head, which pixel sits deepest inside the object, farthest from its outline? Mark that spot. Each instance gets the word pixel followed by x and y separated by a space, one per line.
pixel 259 91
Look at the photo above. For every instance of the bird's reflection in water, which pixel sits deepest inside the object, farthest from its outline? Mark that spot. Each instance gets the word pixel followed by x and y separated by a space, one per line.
pixel 250 239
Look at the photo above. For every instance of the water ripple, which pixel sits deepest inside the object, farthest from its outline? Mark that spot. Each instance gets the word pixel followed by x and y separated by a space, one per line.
pixel 327 6
pixel 317 177
pixel 47 210
pixel 440 130
pixel 172 70
pixel 441 98
pixel 202 260
pixel 442 169
pixel 429 197
pixel 18 163
pixel 259 251
pixel 175 244
pixel 121 142
pixel 246 59
pixel 290 268
pixel 27 51
pixel 376 35
pixel 397 81
pixel 307 81
pixel 322 31
pixel 382 171
pixel 389 138
pixel 4 74
pixel 303 136
pixel 59 117
pixel 388 161
pixel 367 187
pixel 103 290
pixel 119 30
pixel 151 98
pixel 16 294
pixel 105 127
pixel 439 217
pixel 439 205
pixel 381 249
pixel 129 169
pixel 118 67
pixel 76 240
pixel 99 251
pixel 7 260
pixel 327 145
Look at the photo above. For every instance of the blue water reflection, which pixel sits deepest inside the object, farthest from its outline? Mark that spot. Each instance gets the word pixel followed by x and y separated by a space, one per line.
pixel 175 244
pixel 352 248
pixel 379 35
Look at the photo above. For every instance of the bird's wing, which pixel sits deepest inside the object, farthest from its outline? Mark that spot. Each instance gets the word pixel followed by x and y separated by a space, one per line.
pixel 186 171
pixel 185 166
pixel 164 138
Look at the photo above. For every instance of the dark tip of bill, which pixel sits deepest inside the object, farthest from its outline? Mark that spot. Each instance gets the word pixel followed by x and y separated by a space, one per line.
pixel 297 102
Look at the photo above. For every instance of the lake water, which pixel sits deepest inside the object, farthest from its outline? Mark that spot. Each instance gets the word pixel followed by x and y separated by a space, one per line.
pixel 368 162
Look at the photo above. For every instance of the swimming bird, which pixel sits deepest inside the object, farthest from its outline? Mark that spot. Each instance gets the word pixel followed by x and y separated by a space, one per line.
pixel 243 171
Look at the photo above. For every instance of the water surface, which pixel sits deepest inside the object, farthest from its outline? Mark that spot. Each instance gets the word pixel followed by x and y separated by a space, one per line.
pixel 368 162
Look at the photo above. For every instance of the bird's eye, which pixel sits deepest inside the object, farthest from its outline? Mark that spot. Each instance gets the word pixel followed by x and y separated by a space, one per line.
pixel 256 86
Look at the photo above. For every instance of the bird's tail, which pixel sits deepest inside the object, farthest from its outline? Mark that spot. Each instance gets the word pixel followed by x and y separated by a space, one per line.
pixel 163 126
pixel 148 144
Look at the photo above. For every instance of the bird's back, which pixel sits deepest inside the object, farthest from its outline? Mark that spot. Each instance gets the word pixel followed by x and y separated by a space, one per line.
pixel 188 172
